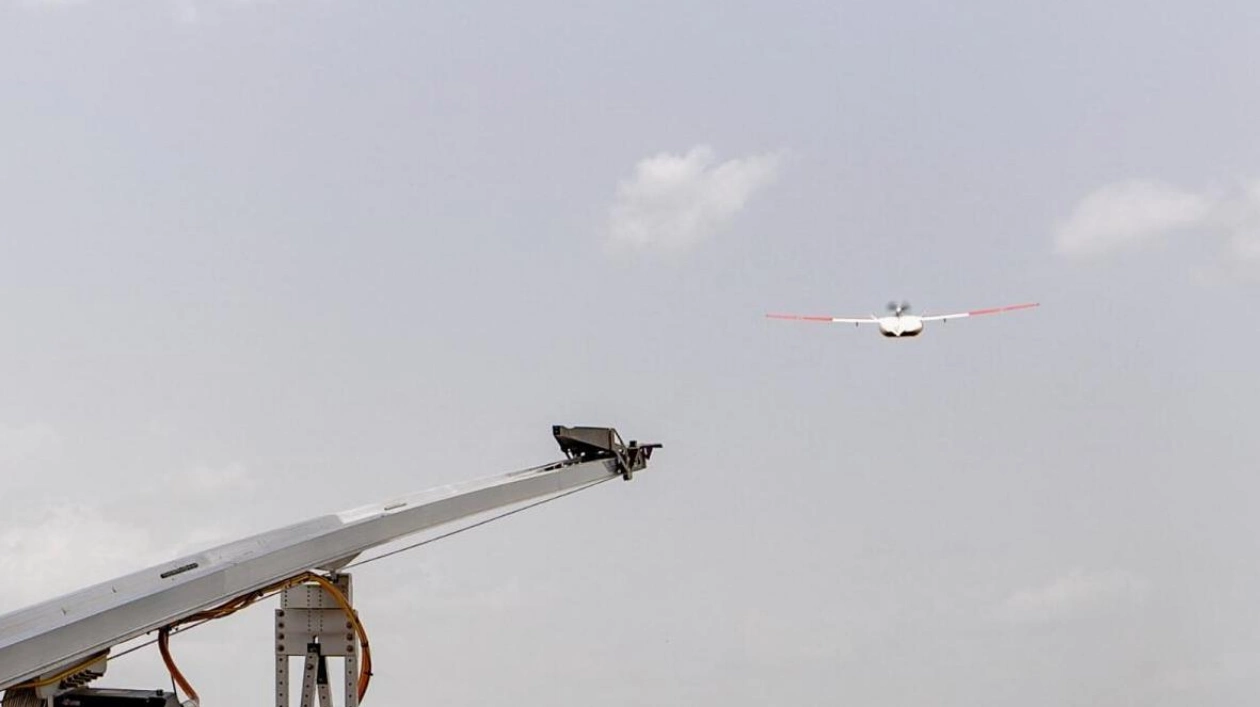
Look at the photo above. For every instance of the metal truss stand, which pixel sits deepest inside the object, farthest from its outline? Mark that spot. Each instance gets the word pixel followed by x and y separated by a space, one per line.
pixel 311 624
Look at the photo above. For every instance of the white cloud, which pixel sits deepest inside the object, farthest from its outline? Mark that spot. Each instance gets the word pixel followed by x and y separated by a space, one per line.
pixel 1244 247
pixel 1140 213
pixel 203 479
pixel 50 3
pixel 1129 215
pixel 186 11
pixel 1223 669
pixel 60 549
pixel 1075 593
pixel 183 11
pixel 1243 218
pixel 47 549
pixel 29 443
pixel 672 202
pixel 50 549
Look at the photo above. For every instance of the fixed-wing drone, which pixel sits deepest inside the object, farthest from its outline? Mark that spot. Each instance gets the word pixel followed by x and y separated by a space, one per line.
pixel 900 323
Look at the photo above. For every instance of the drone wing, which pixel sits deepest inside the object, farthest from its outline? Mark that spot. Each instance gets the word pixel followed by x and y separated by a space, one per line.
pixel 978 312
pixel 828 320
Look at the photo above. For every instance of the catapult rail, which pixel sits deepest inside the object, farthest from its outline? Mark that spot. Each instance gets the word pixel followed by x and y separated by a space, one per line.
pixel 57 634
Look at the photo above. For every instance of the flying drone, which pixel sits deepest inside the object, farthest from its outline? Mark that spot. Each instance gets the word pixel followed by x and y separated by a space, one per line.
pixel 900 323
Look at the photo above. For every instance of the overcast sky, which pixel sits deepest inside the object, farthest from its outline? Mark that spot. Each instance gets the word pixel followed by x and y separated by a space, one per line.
pixel 261 261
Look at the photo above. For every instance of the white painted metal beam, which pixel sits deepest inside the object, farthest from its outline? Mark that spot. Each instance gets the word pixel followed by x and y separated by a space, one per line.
pixel 55 634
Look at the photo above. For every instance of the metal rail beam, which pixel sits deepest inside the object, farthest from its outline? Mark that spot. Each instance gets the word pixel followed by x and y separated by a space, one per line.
pixel 53 635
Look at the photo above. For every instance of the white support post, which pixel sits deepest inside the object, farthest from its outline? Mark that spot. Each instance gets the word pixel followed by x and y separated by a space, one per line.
pixel 312 625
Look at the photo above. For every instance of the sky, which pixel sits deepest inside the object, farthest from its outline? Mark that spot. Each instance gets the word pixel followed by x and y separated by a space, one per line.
pixel 266 260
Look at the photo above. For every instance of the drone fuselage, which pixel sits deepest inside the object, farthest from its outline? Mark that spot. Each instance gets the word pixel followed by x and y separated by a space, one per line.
pixel 900 325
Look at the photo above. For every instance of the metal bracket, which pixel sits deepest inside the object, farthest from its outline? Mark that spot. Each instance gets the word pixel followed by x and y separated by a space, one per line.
pixel 45 694
pixel 315 679
pixel 590 443
pixel 310 624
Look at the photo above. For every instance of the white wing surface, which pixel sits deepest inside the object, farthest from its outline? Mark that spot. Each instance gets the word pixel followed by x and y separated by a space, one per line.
pixel 827 320
pixel 979 312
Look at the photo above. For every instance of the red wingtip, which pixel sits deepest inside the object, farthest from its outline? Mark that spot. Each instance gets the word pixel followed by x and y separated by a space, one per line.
pixel 999 310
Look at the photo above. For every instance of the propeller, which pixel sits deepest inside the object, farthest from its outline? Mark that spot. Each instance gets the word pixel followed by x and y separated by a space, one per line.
pixel 897 309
